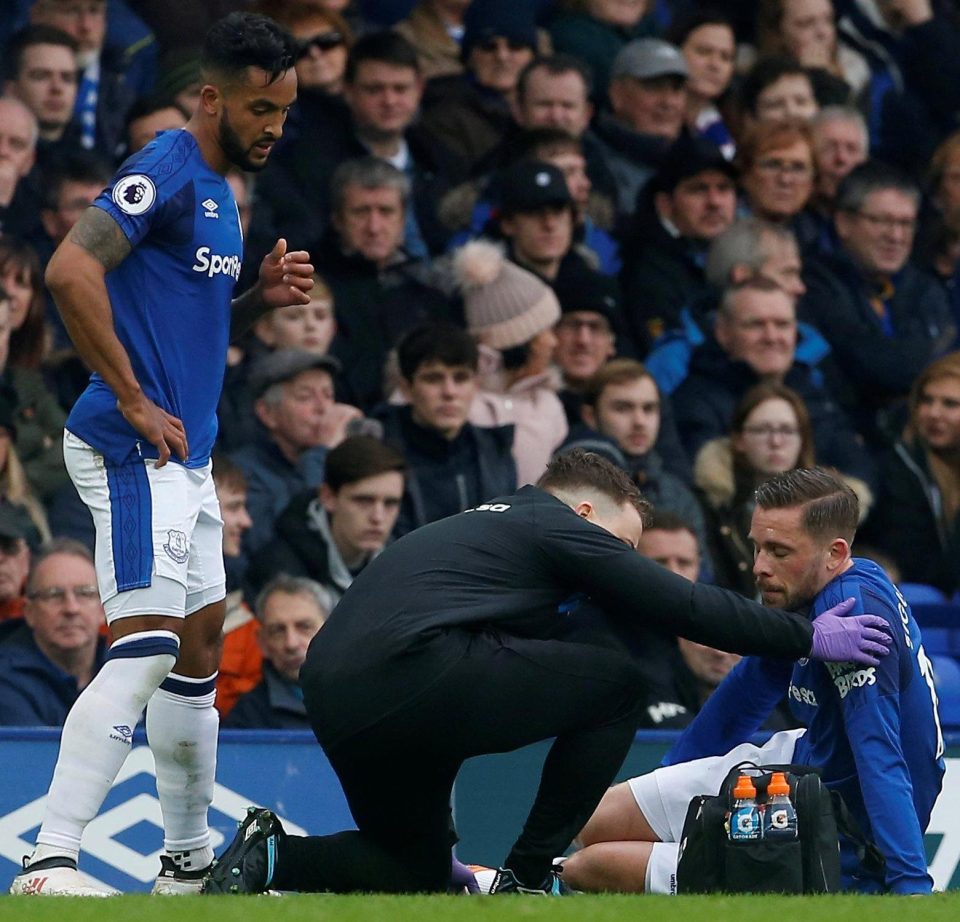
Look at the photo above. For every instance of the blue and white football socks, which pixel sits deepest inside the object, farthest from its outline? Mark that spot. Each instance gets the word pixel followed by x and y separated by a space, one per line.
pixel 182 726
pixel 97 736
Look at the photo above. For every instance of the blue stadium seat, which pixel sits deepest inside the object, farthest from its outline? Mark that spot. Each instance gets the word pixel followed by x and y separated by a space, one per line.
pixel 921 594
pixel 946 677
pixel 939 627
pixel 940 614
pixel 936 641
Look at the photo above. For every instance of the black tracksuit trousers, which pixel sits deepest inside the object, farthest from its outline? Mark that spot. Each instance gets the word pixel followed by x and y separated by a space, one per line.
pixel 503 693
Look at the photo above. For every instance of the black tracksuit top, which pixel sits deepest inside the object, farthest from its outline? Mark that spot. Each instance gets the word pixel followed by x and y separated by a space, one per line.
pixel 518 565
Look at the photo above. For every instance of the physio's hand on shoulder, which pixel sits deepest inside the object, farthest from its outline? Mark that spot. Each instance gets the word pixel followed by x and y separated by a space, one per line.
pixel 156 425
pixel 860 639
pixel 285 278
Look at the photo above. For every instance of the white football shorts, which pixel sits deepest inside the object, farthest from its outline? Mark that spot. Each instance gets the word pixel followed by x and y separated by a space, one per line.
pixel 664 794
pixel 159 533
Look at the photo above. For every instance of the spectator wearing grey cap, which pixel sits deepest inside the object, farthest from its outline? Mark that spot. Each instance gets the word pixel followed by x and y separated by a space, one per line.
pixel 596 30
pixel 646 115
pixel 299 420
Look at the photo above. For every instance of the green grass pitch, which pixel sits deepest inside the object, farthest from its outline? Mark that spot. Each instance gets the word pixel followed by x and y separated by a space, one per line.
pixel 942 907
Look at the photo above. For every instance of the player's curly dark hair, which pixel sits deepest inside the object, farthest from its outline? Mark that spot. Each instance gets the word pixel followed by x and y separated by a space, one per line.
pixel 242 40
pixel 578 469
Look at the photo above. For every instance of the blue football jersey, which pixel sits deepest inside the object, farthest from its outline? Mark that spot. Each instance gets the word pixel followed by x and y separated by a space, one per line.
pixel 873 731
pixel 171 296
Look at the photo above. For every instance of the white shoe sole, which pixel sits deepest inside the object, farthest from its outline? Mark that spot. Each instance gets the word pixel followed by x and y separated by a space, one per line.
pixel 58 882
pixel 167 887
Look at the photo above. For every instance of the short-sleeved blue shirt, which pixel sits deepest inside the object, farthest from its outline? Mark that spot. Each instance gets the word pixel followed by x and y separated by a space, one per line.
pixel 170 297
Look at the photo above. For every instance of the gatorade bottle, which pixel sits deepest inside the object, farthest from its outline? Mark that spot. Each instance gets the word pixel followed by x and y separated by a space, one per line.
pixel 745 820
pixel 780 817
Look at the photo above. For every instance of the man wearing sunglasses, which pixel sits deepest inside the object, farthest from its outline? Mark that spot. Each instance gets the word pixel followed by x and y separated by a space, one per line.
pixel 46 663
pixel 470 112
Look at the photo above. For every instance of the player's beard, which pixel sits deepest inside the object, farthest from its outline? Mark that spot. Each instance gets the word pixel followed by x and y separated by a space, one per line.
pixel 799 597
pixel 233 148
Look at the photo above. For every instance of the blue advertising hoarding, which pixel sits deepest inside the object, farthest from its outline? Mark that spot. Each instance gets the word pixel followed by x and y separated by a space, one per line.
pixel 289 773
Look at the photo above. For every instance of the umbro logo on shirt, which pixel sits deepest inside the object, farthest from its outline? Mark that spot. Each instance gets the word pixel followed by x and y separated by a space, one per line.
pixel 211 208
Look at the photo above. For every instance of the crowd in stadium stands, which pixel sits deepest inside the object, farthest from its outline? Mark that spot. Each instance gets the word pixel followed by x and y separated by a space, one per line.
pixel 710 241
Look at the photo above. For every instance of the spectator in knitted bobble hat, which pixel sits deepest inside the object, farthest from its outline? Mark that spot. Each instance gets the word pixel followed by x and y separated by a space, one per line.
pixel 511 313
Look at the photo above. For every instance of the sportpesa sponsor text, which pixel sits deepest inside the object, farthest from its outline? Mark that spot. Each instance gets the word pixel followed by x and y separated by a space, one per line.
pixel 215 264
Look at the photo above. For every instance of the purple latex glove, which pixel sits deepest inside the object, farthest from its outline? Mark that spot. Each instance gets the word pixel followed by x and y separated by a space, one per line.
pixel 859 639
pixel 462 878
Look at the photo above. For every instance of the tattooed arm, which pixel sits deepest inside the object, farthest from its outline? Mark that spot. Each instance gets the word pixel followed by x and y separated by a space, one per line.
pixel 75 277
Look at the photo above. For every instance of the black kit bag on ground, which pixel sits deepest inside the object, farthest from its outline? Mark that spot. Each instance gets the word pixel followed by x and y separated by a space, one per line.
pixel 710 862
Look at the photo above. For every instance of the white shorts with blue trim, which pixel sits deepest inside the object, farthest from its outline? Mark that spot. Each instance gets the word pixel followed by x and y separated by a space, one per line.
pixel 159 533
pixel 663 796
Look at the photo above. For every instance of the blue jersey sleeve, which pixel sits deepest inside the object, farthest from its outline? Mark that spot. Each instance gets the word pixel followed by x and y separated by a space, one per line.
pixel 870 705
pixel 138 193
pixel 735 711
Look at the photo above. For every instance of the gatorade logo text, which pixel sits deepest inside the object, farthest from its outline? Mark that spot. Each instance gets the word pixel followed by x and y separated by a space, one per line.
pixel 215 264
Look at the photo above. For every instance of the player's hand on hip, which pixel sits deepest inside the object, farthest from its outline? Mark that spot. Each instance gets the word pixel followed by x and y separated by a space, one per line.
pixel 861 639
pixel 160 428
pixel 285 278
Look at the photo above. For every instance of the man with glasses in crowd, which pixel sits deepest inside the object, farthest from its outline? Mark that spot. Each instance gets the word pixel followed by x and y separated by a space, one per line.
pixel 53 655
pixel 884 317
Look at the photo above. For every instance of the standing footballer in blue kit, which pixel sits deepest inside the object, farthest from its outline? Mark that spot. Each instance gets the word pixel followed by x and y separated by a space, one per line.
pixel 144 283
pixel 872 731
